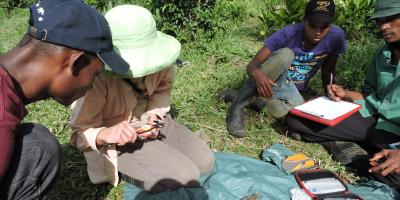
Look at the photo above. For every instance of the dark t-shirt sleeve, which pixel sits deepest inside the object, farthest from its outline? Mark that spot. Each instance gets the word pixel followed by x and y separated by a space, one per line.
pixel 339 42
pixel 277 40
pixel 335 41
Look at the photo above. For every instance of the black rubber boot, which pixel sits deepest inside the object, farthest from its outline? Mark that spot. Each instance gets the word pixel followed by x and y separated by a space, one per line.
pixel 235 116
pixel 229 95
pixel 258 104
pixel 344 152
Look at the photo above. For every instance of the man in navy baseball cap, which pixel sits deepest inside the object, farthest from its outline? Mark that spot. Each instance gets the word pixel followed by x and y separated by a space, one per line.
pixel 66 46
pixel 72 23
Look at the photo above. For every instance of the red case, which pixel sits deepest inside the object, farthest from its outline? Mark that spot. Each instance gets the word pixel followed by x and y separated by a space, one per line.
pixel 303 175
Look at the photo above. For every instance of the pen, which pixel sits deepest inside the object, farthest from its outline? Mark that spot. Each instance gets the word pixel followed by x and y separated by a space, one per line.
pixel 331 79
pixel 313 113
pixel 130 117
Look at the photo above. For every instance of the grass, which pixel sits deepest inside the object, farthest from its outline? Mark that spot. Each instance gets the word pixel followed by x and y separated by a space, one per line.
pixel 214 66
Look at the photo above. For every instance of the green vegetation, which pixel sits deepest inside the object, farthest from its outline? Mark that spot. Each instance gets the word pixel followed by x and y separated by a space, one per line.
pixel 351 15
pixel 218 53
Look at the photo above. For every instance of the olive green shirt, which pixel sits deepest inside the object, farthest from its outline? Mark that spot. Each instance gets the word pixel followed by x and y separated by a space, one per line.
pixel 382 85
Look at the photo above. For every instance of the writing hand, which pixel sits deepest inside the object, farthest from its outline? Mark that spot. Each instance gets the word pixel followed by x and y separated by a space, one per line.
pixel 263 83
pixel 335 92
pixel 391 163
pixel 119 134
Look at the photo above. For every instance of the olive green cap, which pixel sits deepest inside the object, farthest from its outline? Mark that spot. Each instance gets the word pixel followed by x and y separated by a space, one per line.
pixel 385 8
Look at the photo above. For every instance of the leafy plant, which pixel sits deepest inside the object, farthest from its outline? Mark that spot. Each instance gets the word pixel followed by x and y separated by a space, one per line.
pixel 194 16
pixel 292 11
pixel 99 4
pixel 104 5
pixel 351 16
pixel 9 5
pixel 185 20
pixel 353 64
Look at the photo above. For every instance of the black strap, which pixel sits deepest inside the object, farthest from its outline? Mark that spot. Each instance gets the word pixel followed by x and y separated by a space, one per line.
pixel 134 86
pixel 130 180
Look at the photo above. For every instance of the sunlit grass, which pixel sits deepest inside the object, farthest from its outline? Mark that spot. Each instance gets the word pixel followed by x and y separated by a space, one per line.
pixel 214 66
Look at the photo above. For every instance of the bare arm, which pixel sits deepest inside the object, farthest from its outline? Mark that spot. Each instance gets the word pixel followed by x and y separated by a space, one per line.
pixel 328 70
pixel 337 93
pixel 262 55
pixel 263 83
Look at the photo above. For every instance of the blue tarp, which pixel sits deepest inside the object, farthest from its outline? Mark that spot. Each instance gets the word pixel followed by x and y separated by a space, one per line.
pixel 236 177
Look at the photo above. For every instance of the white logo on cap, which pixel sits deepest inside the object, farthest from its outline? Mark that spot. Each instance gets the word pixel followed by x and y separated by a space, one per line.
pixel 322 5
pixel 40 10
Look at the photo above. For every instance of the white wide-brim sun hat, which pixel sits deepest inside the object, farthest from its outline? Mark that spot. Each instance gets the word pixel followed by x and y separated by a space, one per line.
pixel 139 43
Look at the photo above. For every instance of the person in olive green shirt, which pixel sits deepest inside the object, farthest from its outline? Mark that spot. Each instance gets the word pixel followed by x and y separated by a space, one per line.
pixel 377 124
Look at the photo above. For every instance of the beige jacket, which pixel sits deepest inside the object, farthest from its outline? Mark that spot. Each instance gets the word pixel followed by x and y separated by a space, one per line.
pixel 110 101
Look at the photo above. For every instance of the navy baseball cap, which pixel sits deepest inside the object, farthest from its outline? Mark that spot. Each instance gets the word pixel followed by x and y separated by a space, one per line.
pixel 74 24
pixel 320 11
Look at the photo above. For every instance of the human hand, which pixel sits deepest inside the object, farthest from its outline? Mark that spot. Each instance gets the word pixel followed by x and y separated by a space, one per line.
pixel 391 163
pixel 335 92
pixel 263 83
pixel 153 133
pixel 119 134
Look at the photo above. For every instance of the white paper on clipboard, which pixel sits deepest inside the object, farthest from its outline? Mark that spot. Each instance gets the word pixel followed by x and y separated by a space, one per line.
pixel 325 108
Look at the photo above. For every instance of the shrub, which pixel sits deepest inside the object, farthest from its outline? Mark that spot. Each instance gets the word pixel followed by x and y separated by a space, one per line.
pixel 350 15
pixel 185 20
pixel 195 19
pixel 16 3
pixel 98 4
pixel 181 19
pixel 352 65
pixel 9 5
pixel 175 16
pixel 104 5
pixel 290 12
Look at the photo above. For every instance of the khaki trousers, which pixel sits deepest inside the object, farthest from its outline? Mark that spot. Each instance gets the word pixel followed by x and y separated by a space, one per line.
pixel 177 160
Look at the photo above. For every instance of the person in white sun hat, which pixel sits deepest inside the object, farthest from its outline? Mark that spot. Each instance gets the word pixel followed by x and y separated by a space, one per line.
pixel 106 121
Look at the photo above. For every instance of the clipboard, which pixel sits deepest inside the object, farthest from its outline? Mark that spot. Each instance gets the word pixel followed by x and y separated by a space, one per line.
pixel 325 111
